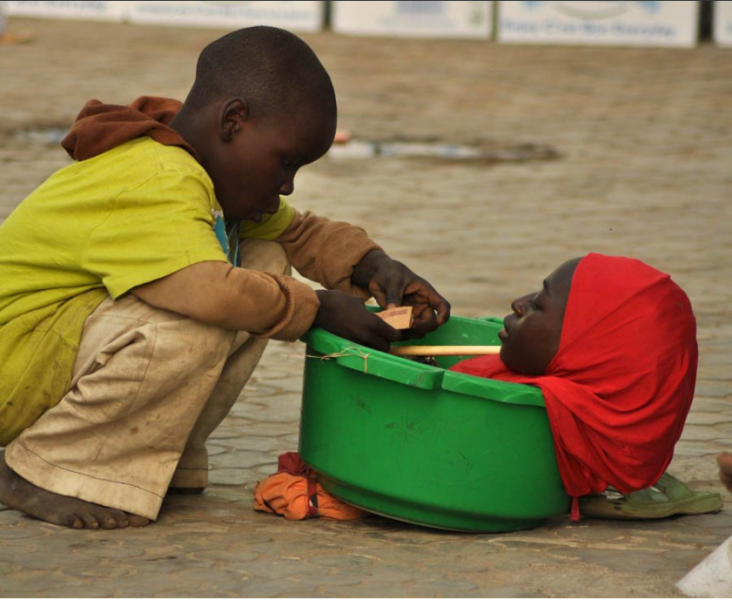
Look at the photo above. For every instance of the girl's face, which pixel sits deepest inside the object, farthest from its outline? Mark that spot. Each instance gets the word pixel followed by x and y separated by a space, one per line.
pixel 532 332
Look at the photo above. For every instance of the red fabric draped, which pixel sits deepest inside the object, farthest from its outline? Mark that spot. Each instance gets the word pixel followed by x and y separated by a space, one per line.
pixel 621 384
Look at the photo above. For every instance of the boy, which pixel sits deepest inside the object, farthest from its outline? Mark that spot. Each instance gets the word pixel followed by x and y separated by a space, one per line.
pixel 127 330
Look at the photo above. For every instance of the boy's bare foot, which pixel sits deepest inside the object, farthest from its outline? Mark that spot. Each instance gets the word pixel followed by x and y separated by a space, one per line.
pixel 17 493
pixel 724 460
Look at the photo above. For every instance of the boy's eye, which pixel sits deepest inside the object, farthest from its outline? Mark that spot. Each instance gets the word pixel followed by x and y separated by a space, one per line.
pixel 288 162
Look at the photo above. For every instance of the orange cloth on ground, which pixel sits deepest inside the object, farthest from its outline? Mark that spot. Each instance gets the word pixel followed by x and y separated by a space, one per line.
pixel 293 493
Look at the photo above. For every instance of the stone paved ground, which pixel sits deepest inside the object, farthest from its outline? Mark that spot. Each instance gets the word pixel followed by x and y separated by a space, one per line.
pixel 643 169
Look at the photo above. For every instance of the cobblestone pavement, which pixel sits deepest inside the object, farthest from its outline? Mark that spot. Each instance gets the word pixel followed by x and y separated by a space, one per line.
pixel 642 139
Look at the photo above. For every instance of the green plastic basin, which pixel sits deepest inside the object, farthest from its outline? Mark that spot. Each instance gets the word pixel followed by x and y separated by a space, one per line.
pixel 425 445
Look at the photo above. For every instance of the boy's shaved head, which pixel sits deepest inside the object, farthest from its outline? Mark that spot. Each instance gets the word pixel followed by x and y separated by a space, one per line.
pixel 262 107
pixel 271 69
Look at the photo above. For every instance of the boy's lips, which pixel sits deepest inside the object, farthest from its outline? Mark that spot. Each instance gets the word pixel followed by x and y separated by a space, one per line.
pixel 258 216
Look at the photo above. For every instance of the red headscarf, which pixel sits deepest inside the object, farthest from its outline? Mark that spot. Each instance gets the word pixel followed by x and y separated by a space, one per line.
pixel 619 388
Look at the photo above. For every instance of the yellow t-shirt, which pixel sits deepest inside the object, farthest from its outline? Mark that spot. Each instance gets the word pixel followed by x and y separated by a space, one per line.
pixel 94 229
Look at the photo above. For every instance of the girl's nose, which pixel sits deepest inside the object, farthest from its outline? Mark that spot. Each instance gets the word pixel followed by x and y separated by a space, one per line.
pixel 519 305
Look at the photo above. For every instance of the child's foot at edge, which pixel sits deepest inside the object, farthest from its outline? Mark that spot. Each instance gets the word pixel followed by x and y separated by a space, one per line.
pixel 19 494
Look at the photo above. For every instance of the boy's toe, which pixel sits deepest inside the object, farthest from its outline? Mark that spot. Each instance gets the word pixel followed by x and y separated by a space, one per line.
pixel 138 521
pixel 113 523
pixel 114 519
pixel 90 521
pixel 70 520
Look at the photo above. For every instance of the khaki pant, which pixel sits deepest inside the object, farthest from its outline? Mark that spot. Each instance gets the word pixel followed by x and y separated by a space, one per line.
pixel 149 387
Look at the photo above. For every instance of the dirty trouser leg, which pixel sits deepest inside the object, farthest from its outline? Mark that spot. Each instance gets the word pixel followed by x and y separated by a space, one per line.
pixel 192 471
pixel 141 379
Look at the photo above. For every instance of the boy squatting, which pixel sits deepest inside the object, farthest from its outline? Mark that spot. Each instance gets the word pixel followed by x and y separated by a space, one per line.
pixel 127 331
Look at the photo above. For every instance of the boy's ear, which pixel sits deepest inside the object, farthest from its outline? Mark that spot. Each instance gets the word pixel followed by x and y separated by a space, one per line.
pixel 232 115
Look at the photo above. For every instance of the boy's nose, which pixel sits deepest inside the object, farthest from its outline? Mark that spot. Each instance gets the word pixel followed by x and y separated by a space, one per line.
pixel 288 187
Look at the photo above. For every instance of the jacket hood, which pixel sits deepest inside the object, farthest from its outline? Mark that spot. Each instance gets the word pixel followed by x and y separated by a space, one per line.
pixel 100 127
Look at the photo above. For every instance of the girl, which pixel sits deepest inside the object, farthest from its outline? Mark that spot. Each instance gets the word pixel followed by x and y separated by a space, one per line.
pixel 611 342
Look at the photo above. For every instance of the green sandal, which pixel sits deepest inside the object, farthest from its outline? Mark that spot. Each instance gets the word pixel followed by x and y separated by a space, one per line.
pixel 667 497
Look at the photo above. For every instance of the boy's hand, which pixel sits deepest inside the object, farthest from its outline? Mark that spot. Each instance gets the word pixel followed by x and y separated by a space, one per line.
pixel 347 317
pixel 394 284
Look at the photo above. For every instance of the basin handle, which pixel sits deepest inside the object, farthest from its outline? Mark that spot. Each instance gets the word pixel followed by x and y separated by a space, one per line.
pixel 382 365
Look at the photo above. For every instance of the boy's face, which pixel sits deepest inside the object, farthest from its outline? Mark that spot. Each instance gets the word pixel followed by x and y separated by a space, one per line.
pixel 532 332
pixel 256 160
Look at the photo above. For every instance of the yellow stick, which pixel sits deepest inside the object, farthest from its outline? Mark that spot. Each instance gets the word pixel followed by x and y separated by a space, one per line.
pixel 444 350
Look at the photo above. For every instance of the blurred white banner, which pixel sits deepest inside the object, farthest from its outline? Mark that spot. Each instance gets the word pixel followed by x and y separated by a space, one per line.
pixel 103 11
pixel 723 22
pixel 599 23
pixel 414 19
pixel 298 16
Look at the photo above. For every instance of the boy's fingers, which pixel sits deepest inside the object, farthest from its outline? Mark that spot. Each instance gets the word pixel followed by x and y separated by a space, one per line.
pixel 425 323
pixel 379 296
pixel 439 305
pixel 386 331
pixel 380 345
pixel 377 342
pixel 394 297
pixel 443 312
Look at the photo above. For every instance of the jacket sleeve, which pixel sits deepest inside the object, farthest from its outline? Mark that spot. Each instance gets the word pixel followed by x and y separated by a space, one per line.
pixel 265 304
pixel 219 294
pixel 326 251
